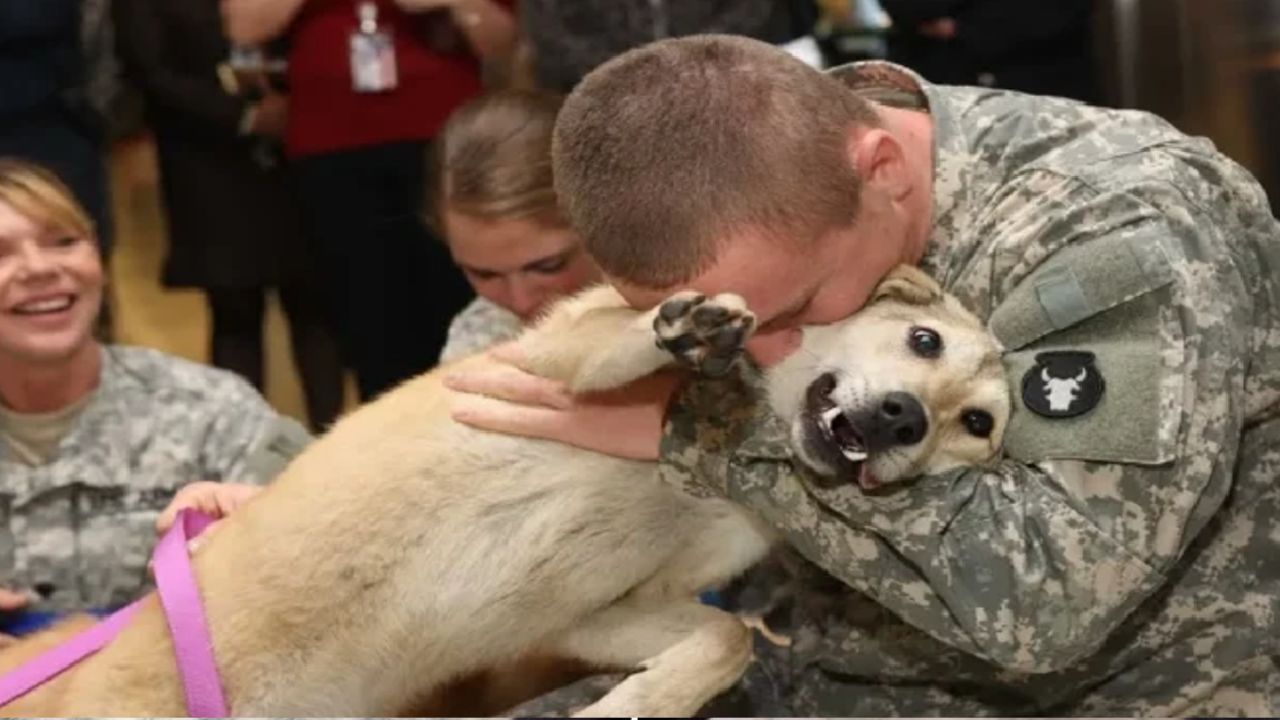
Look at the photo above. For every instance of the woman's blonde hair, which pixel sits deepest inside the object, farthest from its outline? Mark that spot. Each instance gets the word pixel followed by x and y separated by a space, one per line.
pixel 42 198
pixel 493 158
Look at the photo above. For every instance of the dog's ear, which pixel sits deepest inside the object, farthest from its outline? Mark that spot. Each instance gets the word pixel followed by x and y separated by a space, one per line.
pixel 908 284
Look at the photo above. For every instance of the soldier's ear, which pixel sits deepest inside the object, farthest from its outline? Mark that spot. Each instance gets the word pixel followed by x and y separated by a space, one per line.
pixel 908 284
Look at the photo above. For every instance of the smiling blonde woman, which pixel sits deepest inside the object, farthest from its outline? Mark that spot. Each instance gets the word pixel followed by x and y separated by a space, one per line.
pixel 95 440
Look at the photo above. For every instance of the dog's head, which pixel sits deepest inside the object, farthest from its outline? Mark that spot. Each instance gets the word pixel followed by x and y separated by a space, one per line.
pixel 912 384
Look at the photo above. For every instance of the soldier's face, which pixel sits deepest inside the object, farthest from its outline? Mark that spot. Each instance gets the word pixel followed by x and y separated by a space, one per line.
pixel 50 289
pixel 789 285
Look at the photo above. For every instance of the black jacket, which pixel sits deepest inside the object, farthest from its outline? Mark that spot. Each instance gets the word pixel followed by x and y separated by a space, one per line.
pixel 232 223
pixel 40 60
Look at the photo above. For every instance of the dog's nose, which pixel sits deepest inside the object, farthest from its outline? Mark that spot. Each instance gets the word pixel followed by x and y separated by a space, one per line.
pixel 900 420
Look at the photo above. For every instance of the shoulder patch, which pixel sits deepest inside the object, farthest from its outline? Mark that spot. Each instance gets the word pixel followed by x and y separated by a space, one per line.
pixel 1063 384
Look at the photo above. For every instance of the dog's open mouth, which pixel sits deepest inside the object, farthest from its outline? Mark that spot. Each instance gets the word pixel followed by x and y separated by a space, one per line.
pixel 838 438
pixel 837 428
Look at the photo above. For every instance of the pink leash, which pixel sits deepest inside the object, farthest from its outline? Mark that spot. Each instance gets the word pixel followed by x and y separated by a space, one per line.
pixel 192 647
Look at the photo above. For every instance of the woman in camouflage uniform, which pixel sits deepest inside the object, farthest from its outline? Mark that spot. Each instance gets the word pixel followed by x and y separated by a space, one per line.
pixel 497 208
pixel 96 440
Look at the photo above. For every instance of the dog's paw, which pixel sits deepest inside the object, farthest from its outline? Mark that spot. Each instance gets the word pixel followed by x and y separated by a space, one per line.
pixel 706 334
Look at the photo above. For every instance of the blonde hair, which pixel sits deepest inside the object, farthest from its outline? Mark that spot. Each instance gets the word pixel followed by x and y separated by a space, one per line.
pixel 44 199
pixel 493 159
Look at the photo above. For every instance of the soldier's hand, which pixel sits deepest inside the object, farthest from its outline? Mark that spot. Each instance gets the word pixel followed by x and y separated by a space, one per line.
pixel 503 398
pixel 10 600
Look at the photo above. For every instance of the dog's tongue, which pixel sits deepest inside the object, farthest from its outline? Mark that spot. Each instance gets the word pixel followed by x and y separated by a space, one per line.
pixel 866 480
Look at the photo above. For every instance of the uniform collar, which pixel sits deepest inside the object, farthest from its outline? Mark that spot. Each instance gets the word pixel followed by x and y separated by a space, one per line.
pixel 104 420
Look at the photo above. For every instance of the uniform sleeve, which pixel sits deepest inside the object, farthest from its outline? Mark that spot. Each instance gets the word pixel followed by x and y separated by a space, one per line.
pixel 247 440
pixel 476 328
pixel 1033 563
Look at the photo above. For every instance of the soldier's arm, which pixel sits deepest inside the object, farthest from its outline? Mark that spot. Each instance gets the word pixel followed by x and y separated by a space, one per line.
pixel 1033 563
pixel 246 440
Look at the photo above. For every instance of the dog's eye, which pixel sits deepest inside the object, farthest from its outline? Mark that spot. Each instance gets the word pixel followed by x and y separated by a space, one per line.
pixel 925 342
pixel 979 423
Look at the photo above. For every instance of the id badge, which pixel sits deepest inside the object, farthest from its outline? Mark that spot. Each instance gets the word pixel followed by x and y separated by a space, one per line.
pixel 373 62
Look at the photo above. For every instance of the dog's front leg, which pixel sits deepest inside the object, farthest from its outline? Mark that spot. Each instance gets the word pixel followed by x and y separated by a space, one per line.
pixel 595 341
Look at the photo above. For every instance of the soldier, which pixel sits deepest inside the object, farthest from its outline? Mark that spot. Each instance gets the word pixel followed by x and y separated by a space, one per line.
pixel 1122 558
pixel 95 440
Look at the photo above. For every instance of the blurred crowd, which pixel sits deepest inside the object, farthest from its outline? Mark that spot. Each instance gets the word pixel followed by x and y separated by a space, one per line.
pixel 382 166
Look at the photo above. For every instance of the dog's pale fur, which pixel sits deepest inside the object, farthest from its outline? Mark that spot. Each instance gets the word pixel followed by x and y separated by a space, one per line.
pixel 402 550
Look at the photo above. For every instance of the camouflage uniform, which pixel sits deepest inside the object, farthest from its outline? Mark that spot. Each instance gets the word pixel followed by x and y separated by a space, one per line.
pixel 1125 561
pixel 478 327
pixel 84 524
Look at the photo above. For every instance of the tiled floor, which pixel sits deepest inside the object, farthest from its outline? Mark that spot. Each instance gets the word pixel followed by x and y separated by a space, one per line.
pixel 174 321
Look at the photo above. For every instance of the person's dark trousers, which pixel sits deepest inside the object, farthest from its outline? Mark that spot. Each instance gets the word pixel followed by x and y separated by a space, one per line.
pixel 236 343
pixel 393 287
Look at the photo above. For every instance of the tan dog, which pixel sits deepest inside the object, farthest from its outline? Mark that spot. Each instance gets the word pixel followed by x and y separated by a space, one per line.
pixel 402 550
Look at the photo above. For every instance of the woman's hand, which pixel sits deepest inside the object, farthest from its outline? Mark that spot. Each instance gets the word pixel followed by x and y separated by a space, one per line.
pixel 214 499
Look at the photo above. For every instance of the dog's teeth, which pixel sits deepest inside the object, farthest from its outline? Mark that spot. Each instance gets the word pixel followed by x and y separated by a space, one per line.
pixel 854 455
pixel 830 416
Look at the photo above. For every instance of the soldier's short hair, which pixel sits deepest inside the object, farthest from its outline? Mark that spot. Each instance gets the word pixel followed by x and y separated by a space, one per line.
pixel 662 150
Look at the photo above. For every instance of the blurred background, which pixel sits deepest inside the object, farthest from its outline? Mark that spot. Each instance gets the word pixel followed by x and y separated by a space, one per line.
pixel 1212 67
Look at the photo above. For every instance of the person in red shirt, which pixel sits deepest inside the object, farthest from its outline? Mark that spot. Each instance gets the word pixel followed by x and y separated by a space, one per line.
pixel 371 84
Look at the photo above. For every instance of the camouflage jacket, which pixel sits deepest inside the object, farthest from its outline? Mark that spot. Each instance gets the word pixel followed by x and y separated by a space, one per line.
pixel 83 525
pixel 478 327
pixel 1125 561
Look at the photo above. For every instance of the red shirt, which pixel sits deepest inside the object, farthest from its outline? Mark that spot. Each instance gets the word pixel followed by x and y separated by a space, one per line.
pixel 326 114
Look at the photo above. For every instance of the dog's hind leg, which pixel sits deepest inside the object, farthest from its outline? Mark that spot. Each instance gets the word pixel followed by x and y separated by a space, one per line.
pixel 687 654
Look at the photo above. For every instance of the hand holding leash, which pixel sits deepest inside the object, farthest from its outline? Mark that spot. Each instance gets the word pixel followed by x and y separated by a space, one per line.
pixel 215 499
